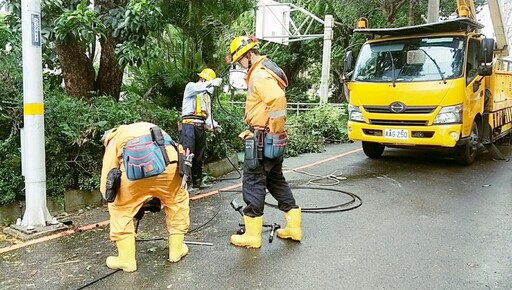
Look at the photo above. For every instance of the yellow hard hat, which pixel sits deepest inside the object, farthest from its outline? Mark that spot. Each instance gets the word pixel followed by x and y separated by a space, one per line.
pixel 240 45
pixel 207 74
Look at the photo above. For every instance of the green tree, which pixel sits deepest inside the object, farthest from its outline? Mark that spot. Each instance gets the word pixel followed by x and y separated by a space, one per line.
pixel 187 43
pixel 74 29
pixel 11 79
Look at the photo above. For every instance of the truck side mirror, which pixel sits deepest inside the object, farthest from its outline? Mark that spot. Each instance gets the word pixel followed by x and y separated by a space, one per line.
pixel 485 70
pixel 487 52
pixel 348 63
pixel 486 57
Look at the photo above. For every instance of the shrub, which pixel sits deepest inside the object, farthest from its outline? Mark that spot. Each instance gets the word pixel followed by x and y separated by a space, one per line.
pixel 73 129
pixel 11 114
pixel 11 97
pixel 11 181
pixel 308 132
pixel 230 118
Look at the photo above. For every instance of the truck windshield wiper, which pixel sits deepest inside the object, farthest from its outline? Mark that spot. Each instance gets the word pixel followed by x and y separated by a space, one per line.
pixel 393 77
pixel 437 66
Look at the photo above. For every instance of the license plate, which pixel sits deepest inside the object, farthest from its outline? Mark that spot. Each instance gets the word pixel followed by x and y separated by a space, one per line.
pixel 396 134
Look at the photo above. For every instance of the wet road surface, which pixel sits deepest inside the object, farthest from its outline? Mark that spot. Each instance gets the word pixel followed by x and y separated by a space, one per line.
pixel 425 223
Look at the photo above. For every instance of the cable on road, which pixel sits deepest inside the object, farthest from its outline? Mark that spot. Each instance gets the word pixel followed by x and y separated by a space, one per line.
pixel 329 209
pixel 198 228
pixel 157 239
pixel 333 178
pixel 97 280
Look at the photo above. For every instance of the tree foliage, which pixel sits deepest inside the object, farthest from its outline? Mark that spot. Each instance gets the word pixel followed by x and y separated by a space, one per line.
pixel 11 79
pixel 187 44
pixel 73 30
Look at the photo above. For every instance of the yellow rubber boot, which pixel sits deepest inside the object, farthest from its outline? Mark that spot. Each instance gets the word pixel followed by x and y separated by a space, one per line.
pixel 293 228
pixel 252 236
pixel 177 248
pixel 126 259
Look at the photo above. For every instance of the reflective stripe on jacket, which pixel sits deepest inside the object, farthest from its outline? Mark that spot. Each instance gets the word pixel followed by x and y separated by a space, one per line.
pixel 266 100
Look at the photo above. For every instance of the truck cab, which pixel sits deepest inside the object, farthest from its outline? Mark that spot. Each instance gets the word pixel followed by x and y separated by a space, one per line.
pixel 423 85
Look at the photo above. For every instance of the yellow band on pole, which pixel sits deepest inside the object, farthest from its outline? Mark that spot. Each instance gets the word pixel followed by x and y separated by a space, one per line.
pixel 33 109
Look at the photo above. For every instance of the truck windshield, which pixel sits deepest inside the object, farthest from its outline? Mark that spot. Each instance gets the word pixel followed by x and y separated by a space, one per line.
pixel 411 60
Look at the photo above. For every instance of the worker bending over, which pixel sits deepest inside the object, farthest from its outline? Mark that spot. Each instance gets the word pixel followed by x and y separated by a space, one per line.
pixel 141 162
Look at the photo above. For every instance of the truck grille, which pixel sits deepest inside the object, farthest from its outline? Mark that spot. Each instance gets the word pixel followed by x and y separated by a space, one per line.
pixel 398 122
pixel 408 110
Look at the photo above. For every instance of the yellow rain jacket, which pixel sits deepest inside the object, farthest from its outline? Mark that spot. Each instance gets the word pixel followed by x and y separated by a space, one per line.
pixel 266 100
pixel 133 193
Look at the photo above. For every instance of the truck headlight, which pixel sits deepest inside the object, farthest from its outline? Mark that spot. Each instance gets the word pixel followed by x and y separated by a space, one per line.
pixel 449 115
pixel 354 114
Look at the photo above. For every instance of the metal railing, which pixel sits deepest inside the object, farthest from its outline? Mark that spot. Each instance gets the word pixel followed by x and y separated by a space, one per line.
pixel 298 107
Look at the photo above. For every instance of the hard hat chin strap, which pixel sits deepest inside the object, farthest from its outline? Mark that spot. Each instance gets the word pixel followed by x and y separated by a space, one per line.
pixel 249 57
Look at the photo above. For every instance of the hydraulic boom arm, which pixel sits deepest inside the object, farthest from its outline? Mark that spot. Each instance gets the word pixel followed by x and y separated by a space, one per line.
pixel 466 8
pixel 498 23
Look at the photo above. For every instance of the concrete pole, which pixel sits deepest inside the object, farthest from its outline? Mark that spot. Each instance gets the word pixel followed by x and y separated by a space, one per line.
pixel 36 212
pixel 326 59
pixel 433 11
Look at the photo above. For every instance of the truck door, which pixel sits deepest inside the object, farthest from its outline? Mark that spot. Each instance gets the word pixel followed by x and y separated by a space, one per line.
pixel 474 94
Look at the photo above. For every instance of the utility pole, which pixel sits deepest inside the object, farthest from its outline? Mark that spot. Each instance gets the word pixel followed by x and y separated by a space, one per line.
pixel 326 59
pixel 433 11
pixel 33 152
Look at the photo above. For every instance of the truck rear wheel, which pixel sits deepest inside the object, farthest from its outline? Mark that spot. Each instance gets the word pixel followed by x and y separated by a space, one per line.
pixel 465 154
pixel 372 149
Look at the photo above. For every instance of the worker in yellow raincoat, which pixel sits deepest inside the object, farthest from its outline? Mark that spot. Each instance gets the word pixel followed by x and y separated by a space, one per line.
pixel 265 114
pixel 132 194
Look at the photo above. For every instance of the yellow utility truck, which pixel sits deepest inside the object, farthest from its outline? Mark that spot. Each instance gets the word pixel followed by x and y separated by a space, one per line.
pixel 437 85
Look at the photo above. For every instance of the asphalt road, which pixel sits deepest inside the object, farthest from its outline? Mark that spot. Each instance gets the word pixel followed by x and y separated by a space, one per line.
pixel 424 223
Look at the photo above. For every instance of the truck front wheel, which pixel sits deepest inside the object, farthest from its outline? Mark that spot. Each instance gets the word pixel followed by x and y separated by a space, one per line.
pixel 372 149
pixel 465 154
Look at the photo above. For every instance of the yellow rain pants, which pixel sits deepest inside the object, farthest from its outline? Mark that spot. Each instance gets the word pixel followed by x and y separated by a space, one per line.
pixel 133 193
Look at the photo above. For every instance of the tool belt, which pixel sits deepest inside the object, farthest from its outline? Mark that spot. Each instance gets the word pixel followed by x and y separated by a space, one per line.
pixel 145 156
pixel 196 124
pixel 192 119
pixel 264 144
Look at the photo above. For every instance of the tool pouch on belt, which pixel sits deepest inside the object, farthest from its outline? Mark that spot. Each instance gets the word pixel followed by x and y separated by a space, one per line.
pixel 112 185
pixel 145 156
pixel 251 151
pixel 275 144
pixel 142 158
